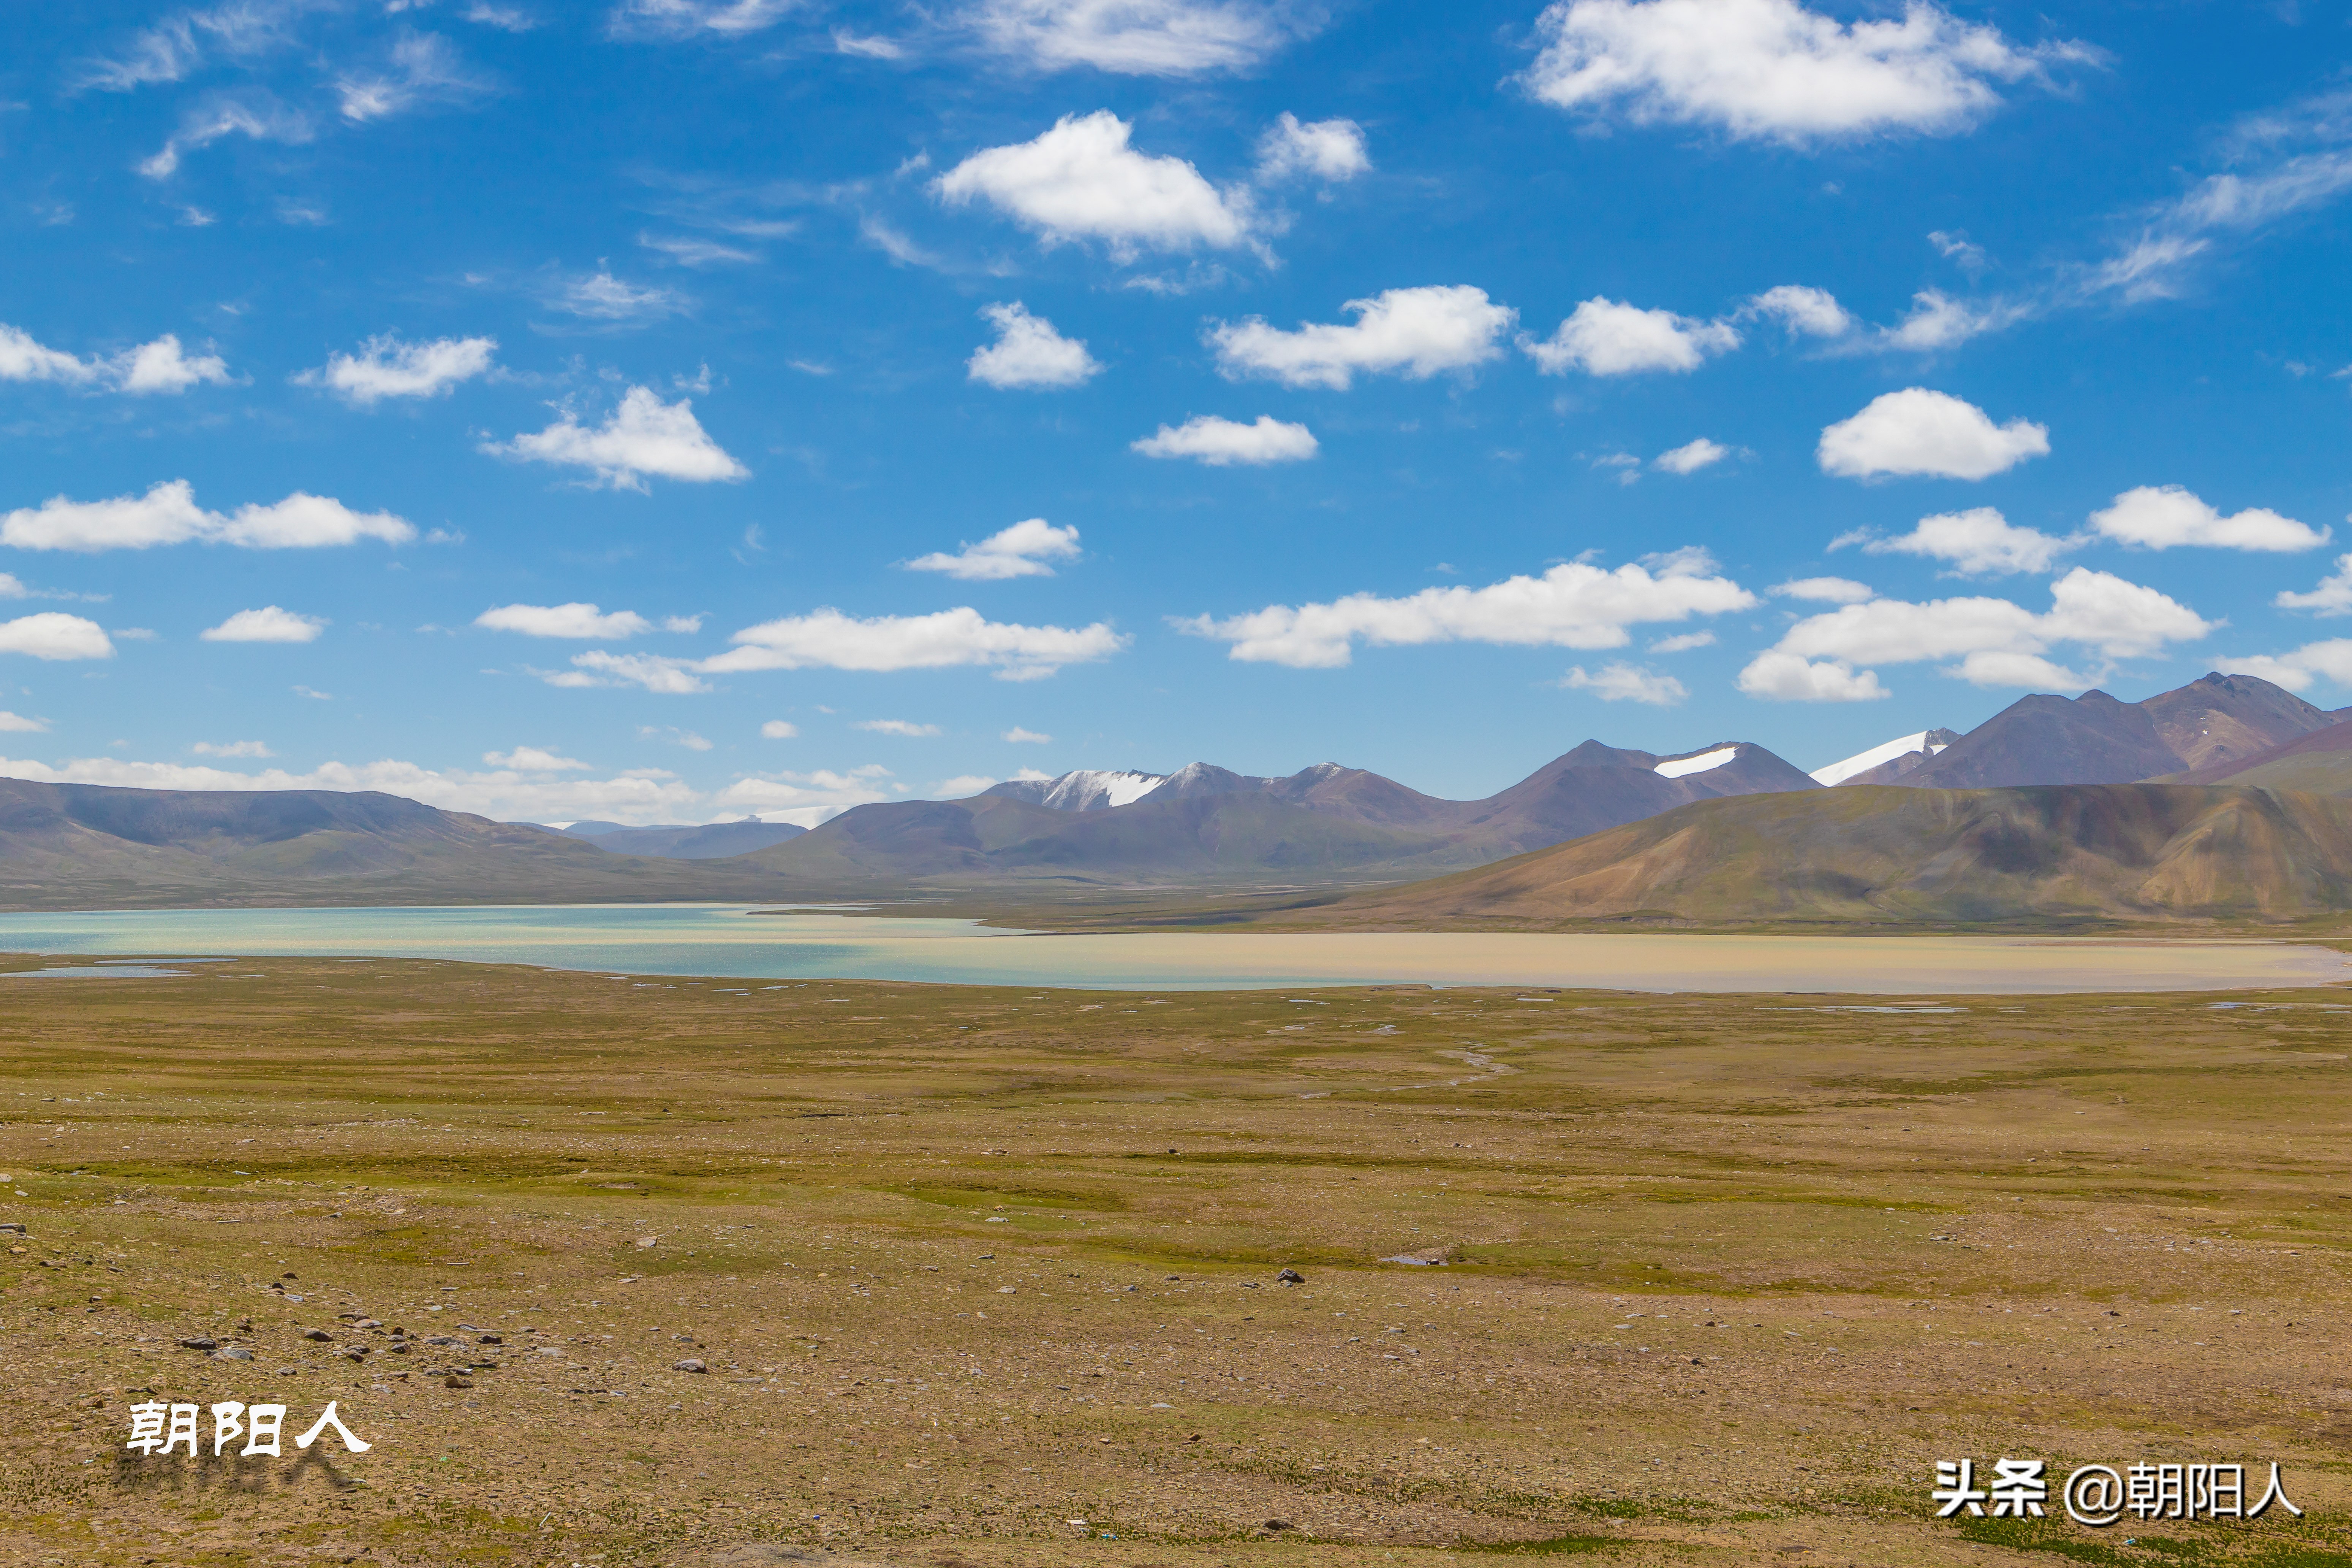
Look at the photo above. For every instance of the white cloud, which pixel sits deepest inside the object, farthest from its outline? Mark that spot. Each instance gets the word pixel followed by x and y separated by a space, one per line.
pixel 1691 457
pixel 269 624
pixel 2296 670
pixel 1810 312
pixel 1081 181
pixel 1619 681
pixel 533 759
pixel 1020 551
pixel 693 19
pixel 1996 641
pixel 866 47
pixel 263 119
pixel 424 71
pixel 643 435
pixel 1607 338
pixel 1937 320
pixel 152 367
pixel 1787 678
pixel 1977 542
pixel 1826 590
pixel 604 297
pixel 387 367
pixel 779 730
pixel 1029 353
pixel 828 639
pixel 1223 442
pixel 1018 736
pixel 901 727
pixel 503 17
pixel 963 786
pixel 1331 150
pixel 168 514
pixel 18 724
pixel 232 749
pixel 1141 38
pixel 1683 643
pixel 691 252
pixel 675 736
pixel 808 798
pixel 1574 604
pixel 1916 431
pixel 1416 332
pixel 505 795
pixel 160 366
pixel 2167 517
pixel 54 635
pixel 656 673
pixel 573 620
pixel 2332 597
pixel 1770 69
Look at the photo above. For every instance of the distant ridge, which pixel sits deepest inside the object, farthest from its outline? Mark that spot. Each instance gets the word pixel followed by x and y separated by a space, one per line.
pixel 679 841
pixel 1890 856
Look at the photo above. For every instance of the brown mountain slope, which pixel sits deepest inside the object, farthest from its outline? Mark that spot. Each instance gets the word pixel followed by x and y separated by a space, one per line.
pixel 88 846
pixel 2317 763
pixel 2217 718
pixel 1889 856
pixel 2045 740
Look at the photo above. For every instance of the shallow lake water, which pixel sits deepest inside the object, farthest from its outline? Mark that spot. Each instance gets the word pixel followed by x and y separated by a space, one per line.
pixel 804 943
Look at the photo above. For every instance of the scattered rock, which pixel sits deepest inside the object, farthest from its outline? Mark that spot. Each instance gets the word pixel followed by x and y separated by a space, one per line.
pixel 14 1226
pixel 649 1241
pixel 1290 1277
pixel 490 1340
pixel 689 1364
pixel 453 1381
pixel 232 1353
pixel 199 1344
pixel 1280 1524
pixel 321 1335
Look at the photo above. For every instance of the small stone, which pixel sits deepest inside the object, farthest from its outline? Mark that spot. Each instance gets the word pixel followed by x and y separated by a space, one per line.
pixel 321 1335
pixel 689 1364
pixel 199 1343
pixel 1279 1525
pixel 490 1340
pixel 453 1381
pixel 353 1353
pixel 232 1353
pixel 1290 1277
pixel 16 1226
pixel 367 1324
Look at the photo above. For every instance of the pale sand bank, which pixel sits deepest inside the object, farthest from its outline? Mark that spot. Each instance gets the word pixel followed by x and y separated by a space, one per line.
pixel 807 944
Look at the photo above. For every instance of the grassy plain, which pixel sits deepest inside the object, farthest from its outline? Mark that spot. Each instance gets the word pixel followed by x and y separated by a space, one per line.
pixel 1723 1276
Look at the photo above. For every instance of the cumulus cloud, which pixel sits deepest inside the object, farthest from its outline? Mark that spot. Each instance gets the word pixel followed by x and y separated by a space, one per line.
pixel 1996 642
pixel 269 624
pixel 232 749
pixel 56 636
pixel 1221 443
pixel 1618 681
pixel 1977 542
pixel 1082 181
pixel 1787 678
pixel 896 727
pixel 1329 150
pixel 1691 457
pixel 160 366
pixel 1018 736
pixel 828 639
pixel 1683 643
pixel 387 367
pixel 1825 590
pixel 1773 70
pixel 1916 431
pixel 1028 354
pixel 2333 596
pixel 532 760
pixel 643 435
pixel 506 795
pixel 1416 333
pixel 2166 517
pixel 168 514
pixel 17 724
pixel 806 798
pixel 1808 312
pixel 2296 670
pixel 1020 551
pixel 1141 38
pixel 1574 604
pixel 961 787
pixel 779 730
pixel 656 673
pixel 1605 336
pixel 573 620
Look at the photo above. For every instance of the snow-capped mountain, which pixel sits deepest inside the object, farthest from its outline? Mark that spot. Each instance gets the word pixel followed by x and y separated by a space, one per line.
pixel 1926 743
pixel 1086 789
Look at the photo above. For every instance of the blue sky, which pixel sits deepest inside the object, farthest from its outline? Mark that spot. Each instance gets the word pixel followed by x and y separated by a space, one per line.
pixel 679 409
